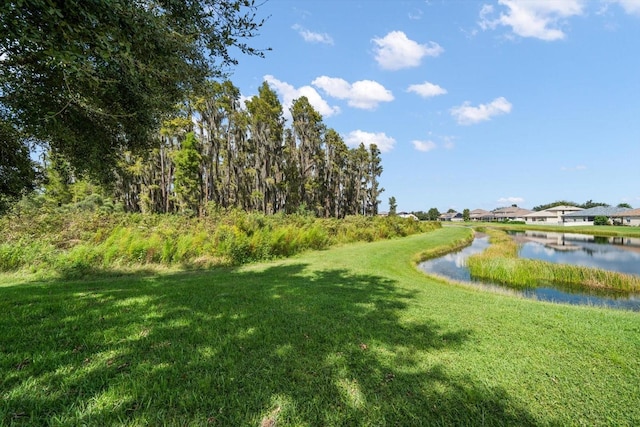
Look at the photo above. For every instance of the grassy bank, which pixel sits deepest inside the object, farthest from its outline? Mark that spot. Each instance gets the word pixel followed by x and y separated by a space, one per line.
pixel 598 230
pixel 353 335
pixel 462 241
pixel 75 243
pixel 500 264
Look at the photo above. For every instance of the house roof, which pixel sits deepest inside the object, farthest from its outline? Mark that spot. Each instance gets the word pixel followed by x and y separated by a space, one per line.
pixel 451 215
pixel 598 211
pixel 542 214
pixel 632 212
pixel 511 211
pixel 480 214
pixel 564 208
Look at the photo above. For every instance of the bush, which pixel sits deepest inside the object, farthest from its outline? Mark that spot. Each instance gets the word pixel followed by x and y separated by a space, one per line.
pixel 76 241
pixel 601 220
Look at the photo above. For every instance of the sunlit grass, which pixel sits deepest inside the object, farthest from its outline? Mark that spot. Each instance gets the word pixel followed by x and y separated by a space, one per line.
pixel 353 335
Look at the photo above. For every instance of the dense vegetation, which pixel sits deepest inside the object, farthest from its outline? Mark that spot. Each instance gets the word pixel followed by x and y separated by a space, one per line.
pixel 75 240
pixel 91 79
pixel 243 156
pixel 133 96
pixel 219 152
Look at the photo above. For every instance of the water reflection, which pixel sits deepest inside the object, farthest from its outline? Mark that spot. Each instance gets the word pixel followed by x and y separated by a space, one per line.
pixel 452 266
pixel 620 254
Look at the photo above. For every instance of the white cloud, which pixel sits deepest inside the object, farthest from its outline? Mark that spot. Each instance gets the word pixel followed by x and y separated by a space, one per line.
pixel 427 89
pixel 311 37
pixel 396 51
pixel 365 94
pixel 288 93
pixel 385 143
pixel 632 7
pixel 511 200
pixel 424 145
pixel 539 19
pixel 465 114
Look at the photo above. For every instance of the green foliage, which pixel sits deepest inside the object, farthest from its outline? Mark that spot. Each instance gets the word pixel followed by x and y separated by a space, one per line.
pixel 17 171
pixel 64 241
pixel 421 215
pixel 591 204
pixel 393 206
pixel 466 215
pixel 90 78
pixel 600 220
pixel 586 205
pixel 187 173
pixel 59 179
pixel 434 214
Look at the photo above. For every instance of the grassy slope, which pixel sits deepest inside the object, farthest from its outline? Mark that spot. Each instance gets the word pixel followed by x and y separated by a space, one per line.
pixel 354 335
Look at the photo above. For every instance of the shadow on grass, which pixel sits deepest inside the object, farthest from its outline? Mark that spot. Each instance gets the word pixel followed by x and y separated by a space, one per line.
pixel 285 346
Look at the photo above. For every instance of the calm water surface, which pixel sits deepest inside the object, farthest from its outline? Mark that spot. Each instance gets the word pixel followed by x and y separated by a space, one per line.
pixel 585 250
pixel 620 254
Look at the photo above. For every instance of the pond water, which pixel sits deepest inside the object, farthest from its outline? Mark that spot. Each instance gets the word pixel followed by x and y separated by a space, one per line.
pixel 620 254
pixel 453 266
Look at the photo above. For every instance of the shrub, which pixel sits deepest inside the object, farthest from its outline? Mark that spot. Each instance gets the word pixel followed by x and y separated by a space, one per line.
pixel 601 220
pixel 77 241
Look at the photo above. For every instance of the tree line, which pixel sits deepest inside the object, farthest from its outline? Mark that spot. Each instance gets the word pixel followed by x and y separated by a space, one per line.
pixel 217 151
pixel 91 79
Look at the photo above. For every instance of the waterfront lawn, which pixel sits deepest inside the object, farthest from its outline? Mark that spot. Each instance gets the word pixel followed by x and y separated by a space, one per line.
pixel 594 230
pixel 354 335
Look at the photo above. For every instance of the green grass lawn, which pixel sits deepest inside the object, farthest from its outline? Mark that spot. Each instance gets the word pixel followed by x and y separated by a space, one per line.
pixel 353 335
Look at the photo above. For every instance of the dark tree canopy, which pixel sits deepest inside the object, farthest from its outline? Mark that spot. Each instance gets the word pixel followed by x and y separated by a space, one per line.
pixel 393 206
pixel 93 78
pixel 17 172
pixel 434 214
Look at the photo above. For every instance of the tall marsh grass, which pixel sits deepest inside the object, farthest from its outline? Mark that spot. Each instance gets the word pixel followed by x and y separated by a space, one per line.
pixel 81 241
pixel 500 264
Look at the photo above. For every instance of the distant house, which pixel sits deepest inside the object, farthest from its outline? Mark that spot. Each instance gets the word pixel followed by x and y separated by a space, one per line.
pixel 451 216
pixel 407 215
pixel 480 215
pixel 629 217
pixel 587 216
pixel 550 216
pixel 511 213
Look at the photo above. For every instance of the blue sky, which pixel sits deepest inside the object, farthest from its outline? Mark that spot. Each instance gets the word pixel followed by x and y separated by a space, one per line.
pixel 475 104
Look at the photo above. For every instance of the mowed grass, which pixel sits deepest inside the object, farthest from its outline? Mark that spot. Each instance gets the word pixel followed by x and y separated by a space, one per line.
pixel 354 335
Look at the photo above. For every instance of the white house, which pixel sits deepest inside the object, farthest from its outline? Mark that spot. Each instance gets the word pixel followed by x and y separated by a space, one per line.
pixel 408 215
pixel 631 217
pixel 451 216
pixel 552 215
pixel 511 213
pixel 480 215
pixel 587 216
